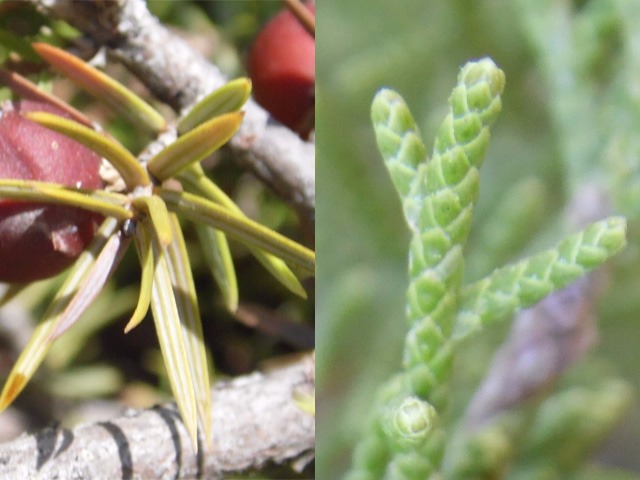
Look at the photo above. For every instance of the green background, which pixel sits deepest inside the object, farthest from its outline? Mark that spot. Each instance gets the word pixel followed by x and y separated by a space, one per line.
pixel 548 136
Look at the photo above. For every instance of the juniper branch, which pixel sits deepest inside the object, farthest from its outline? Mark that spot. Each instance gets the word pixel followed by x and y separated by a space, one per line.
pixel 179 76
pixel 437 197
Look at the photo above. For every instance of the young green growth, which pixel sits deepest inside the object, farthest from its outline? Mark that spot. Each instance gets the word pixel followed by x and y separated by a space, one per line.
pixel 438 196
pixel 411 419
pixel 520 285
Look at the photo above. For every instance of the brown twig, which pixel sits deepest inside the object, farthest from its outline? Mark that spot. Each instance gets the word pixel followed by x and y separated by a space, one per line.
pixel 255 421
pixel 304 16
pixel 276 325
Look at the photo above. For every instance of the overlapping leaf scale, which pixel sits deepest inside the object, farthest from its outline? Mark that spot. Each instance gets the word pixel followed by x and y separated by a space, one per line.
pixel 522 284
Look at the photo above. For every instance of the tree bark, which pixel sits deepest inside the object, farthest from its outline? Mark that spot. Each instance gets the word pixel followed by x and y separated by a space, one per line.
pixel 255 421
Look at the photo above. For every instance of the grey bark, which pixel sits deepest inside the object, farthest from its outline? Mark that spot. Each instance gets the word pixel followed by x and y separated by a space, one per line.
pixel 255 421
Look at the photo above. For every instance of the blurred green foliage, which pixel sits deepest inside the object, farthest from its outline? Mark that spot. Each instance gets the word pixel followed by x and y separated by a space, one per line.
pixel 571 115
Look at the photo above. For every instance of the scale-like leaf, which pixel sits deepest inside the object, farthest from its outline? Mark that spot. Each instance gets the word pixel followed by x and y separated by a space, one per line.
pixel 40 341
pixel 103 87
pixel 194 145
pixel 239 227
pixel 131 171
pixel 522 284
pixel 438 196
pixel 399 139
pixel 228 98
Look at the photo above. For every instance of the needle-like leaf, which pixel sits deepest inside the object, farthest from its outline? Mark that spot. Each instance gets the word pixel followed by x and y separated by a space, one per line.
pixel 187 302
pixel 27 89
pixel 103 87
pixel 157 210
pixel 145 253
pixel 106 203
pixel 195 179
pixel 36 349
pixel 218 257
pixel 92 283
pixel 228 98
pixel 239 227
pixel 170 336
pixel 194 145
pixel 131 171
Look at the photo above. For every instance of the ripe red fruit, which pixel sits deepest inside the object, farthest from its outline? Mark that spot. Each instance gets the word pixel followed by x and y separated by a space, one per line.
pixel 282 70
pixel 40 240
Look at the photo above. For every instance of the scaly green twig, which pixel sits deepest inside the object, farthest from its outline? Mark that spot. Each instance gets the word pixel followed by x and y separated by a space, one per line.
pixel 406 434
pixel 522 284
pixel 437 197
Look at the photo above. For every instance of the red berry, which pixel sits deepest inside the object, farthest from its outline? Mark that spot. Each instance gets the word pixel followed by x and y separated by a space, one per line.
pixel 40 240
pixel 282 71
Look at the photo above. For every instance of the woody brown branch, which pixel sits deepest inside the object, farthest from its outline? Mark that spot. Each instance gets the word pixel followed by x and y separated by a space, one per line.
pixel 179 76
pixel 255 421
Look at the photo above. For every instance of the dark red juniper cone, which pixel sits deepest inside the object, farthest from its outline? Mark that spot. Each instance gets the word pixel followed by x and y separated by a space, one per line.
pixel 283 72
pixel 40 240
